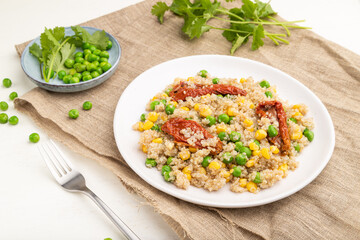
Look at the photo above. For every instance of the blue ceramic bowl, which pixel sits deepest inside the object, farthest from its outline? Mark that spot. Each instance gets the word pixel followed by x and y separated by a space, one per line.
pixel 31 67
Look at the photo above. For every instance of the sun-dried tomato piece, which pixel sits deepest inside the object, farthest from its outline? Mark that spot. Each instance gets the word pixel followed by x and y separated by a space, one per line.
pixel 275 108
pixel 174 126
pixel 182 91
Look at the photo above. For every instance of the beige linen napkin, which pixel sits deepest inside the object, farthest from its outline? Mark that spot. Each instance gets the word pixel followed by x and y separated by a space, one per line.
pixel 328 208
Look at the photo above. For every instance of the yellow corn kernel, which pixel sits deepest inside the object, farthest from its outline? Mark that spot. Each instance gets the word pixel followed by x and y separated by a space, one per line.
pixel 205 96
pixel 274 149
pixel 250 163
pixel 252 106
pixel 184 155
pixel 164 95
pixel 296 106
pixel 297 115
pixel 157 140
pixel 153 116
pixel 140 126
pixel 144 148
pixel 253 146
pixel 256 153
pixel 223 165
pixel 154 98
pixel 185 108
pixel 243 182
pixel 190 79
pixel 196 107
pixel 242 80
pixel 225 173
pixel 188 175
pixel 206 111
pixel 231 112
pixel 283 167
pixel 214 165
pixel 192 149
pixel 231 170
pixel 221 128
pixel 265 153
pixel 251 187
pixel 260 134
pixel 296 135
pixel 174 103
pixel 148 124
pixel 250 129
pixel 186 170
pixel 240 100
pixel 248 122
pixel 164 117
pixel 202 170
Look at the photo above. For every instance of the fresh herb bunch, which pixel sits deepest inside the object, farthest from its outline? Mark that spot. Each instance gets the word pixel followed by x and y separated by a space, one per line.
pixel 56 48
pixel 245 22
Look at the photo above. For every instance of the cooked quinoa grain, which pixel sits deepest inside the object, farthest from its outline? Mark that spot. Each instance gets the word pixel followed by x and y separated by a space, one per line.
pixel 208 132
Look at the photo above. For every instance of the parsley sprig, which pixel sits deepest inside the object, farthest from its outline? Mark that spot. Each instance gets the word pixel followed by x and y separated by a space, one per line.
pixel 56 47
pixel 251 20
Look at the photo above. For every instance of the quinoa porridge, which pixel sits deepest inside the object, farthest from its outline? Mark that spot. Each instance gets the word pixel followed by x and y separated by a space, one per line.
pixel 208 132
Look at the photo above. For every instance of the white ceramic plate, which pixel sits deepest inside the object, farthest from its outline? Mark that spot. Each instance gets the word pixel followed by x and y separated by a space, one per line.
pixel 132 103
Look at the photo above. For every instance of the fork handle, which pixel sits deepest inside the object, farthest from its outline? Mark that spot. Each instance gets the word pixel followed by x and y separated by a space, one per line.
pixel 128 233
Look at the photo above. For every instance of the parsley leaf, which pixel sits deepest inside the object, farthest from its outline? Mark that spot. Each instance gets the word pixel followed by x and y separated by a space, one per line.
pixel 36 51
pixel 258 34
pixel 239 40
pixel 159 10
pixel 98 39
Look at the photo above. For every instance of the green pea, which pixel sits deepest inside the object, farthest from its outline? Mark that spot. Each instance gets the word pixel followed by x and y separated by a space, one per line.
pixel 156 128
pixel 96 63
pixel 61 74
pixel 164 169
pixel 163 101
pixel 80 68
pixel 91 67
pixel 13 95
pixel 87 105
pixel 293 120
pixel 4 106
pixel 224 118
pixel 86 63
pixel 95 74
pixel 79 59
pixel 227 158
pixel 72 71
pixel 241 159
pixel 205 161
pixel 223 136
pixel 92 48
pixel 86 52
pixel 78 75
pixel 246 150
pixel 67 79
pixel 74 80
pixel 103 60
pixel 215 80
pixel 203 73
pixel 85 46
pixel 106 66
pixel 69 63
pixel 97 52
pixel 237 171
pixel 169 160
pixel 272 131
pixel 3 118
pixel 257 142
pixel 168 91
pixel 99 70
pixel 235 136
pixel 76 65
pixel 220 96
pixel 268 94
pixel 153 104
pixel 169 109
pixel 211 119
pixel 85 73
pixel 73 113
pixel 92 57
pixel 309 134
pixel 238 146
pixel 143 117
pixel 13 120
pixel 150 162
pixel 6 82
pixel 51 74
pixel 87 77
pixel 34 137
pixel 104 54
pixel 257 178
pixel 79 54
pixel 109 45
pixel 297 147
pixel 264 84
pixel 167 177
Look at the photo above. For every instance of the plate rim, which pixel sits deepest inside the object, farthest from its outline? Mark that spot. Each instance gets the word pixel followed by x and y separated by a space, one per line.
pixel 284 194
pixel 73 85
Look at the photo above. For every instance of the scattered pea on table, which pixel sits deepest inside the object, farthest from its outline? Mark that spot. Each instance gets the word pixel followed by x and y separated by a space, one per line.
pixel 34 137
pixel 74 113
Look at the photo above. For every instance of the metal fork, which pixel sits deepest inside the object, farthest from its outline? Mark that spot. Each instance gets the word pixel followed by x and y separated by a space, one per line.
pixel 73 181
